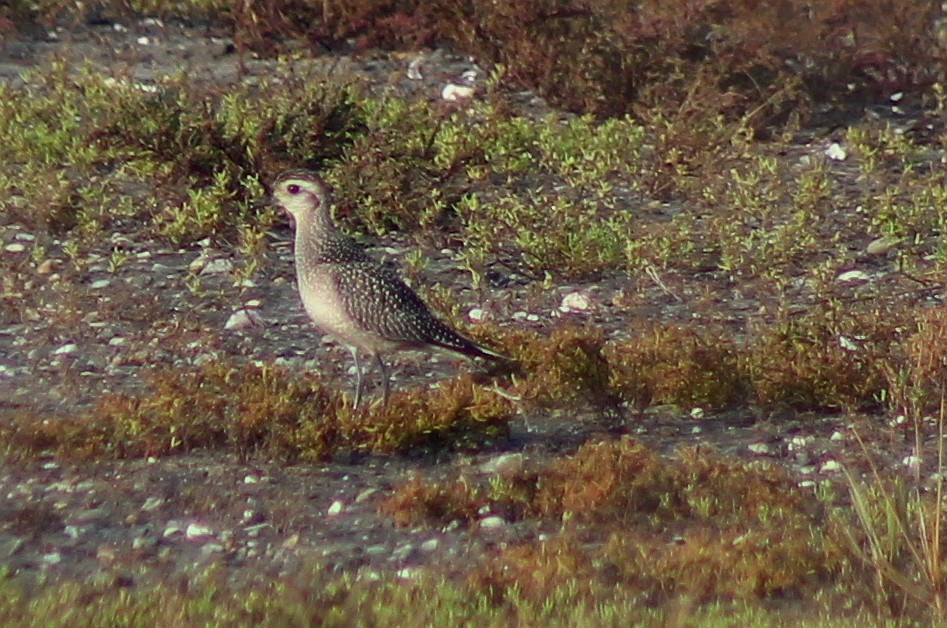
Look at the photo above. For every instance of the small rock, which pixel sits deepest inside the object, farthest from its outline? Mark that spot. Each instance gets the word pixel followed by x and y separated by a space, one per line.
pixel 52 559
pixel 241 319
pixel 882 245
pixel 697 413
pixel 835 152
pixel 430 545
pixel 217 267
pixel 453 92
pixel 68 349
pixel 760 448
pixel 798 442
pixel 853 277
pixel 197 531
pixel 476 314
pixel 503 464
pixel 414 68
pixel 830 466
pixel 336 508
pixel 575 302
pixel 47 267
pixel 99 284
pixel 142 542
pixel 15 247
pixel 911 462
pixel 492 522
pixel 408 573
pixel 152 503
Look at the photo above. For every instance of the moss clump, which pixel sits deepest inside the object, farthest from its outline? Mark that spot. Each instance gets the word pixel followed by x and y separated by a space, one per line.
pixel 259 411
pixel 745 532
pixel 680 365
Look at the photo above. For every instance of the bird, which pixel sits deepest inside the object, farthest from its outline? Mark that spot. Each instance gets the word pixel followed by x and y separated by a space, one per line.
pixel 363 304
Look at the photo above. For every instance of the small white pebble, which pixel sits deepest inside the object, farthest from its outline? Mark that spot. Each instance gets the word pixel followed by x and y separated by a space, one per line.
pixel 911 462
pixel 15 247
pixel 837 436
pixel 242 319
pixel 697 413
pixel 143 41
pixel 835 152
pixel 98 284
pixel 453 92
pixel 575 302
pixel 853 277
pixel 797 442
pixel 152 503
pixel 336 508
pixel 846 343
pixel 197 531
pixel 759 448
pixel 492 522
pixel 52 559
pixel 414 68
pixel 830 466
pixel 67 349
pixel 476 314
pixel 217 267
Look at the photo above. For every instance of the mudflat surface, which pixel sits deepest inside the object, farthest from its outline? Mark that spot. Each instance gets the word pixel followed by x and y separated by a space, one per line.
pixel 170 308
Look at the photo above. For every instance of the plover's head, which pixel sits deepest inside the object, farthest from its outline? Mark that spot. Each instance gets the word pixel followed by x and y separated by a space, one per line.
pixel 301 193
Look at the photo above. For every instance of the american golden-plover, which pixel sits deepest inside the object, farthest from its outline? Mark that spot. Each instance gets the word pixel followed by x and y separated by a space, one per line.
pixel 358 301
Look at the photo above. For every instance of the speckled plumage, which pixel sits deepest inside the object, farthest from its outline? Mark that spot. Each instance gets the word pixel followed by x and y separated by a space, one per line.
pixel 350 296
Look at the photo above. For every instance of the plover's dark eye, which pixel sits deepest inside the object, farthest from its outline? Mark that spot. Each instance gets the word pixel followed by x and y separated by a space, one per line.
pixel 293 188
